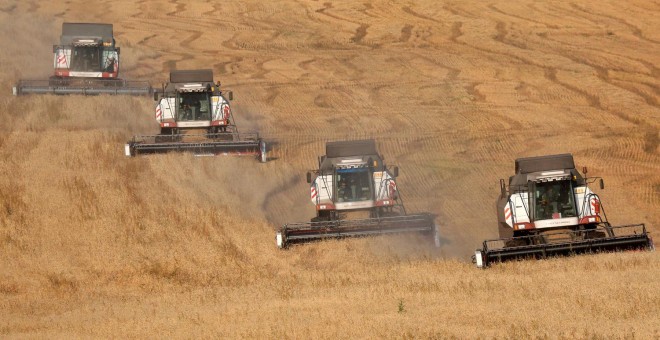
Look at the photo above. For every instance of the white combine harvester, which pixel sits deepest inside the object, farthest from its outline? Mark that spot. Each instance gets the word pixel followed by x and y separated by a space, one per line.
pixel 355 194
pixel 548 209
pixel 195 116
pixel 86 62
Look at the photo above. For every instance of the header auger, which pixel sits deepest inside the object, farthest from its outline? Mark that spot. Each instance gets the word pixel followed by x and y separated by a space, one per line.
pixel 352 180
pixel 194 116
pixel 86 62
pixel 548 209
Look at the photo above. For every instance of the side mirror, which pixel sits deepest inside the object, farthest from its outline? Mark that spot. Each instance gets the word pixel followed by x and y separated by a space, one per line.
pixel 117 49
pixel 156 96
pixel 54 48
pixel 230 95
pixel 502 187
pixel 584 170
pixel 309 177
pixel 395 171
pixel 602 184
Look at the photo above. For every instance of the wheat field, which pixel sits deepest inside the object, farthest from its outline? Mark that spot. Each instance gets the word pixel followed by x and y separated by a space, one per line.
pixel 94 244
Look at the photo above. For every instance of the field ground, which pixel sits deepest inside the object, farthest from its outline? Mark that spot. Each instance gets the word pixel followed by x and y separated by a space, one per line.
pixel 93 244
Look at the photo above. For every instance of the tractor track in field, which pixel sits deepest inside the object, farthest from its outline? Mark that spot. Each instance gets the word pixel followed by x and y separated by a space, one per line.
pixel 434 114
pixel 453 92
pixel 636 31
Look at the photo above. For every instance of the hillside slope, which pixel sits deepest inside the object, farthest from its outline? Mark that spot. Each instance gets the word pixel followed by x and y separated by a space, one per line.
pixel 95 244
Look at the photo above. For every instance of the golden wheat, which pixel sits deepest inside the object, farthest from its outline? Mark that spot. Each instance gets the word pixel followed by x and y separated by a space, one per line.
pixel 93 244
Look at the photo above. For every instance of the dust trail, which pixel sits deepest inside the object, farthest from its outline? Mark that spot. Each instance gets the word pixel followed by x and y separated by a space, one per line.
pixel 27 49
pixel 94 244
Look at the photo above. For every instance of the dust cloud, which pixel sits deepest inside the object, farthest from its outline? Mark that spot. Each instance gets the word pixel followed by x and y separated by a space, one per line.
pixel 98 244
pixel 27 50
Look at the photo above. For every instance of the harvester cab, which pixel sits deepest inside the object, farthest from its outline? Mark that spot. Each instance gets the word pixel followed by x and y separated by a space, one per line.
pixel 549 209
pixel 194 115
pixel 86 50
pixel 355 194
pixel 353 178
pixel 86 61
pixel 190 101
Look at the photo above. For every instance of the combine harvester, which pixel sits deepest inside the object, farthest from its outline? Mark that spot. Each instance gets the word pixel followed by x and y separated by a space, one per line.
pixel 86 62
pixel 195 116
pixel 353 180
pixel 548 209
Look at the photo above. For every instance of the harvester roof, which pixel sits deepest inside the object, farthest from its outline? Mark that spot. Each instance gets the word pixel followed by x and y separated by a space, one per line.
pixel 191 76
pixel 355 153
pixel 190 81
pixel 350 148
pixel 543 168
pixel 544 163
pixel 75 32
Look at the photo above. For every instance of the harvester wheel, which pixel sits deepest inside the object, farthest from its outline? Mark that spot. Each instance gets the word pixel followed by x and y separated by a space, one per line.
pixel 215 132
pixel 385 212
pixel 320 219
pixel 166 138
pixel 593 234
pixel 538 239
pixel 57 82
pixel 516 243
